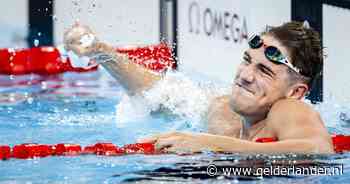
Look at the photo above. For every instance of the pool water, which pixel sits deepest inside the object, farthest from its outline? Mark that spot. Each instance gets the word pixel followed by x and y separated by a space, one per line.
pixel 83 109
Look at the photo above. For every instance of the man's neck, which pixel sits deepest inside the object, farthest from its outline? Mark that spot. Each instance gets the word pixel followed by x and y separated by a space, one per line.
pixel 250 124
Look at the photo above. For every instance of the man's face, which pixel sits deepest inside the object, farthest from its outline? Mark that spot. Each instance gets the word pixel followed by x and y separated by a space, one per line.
pixel 259 83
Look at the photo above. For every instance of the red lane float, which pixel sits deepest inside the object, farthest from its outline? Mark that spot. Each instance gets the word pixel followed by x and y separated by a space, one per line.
pixel 156 57
pixel 39 60
pixel 108 149
pixel 341 143
pixel 33 150
pixel 145 148
pixel 67 149
pixel 266 139
pixel 48 60
pixel 5 152
pixel 25 151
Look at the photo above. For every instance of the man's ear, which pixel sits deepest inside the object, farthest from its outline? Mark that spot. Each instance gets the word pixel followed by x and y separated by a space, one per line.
pixel 298 91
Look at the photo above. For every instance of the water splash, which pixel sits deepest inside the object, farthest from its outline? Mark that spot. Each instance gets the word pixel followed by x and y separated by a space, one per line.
pixel 335 114
pixel 175 94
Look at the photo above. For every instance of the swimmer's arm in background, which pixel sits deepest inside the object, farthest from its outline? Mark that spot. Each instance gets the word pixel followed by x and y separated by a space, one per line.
pixel 132 76
pixel 221 119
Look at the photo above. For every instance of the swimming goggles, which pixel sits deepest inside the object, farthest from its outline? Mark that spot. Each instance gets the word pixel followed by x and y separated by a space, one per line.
pixel 272 53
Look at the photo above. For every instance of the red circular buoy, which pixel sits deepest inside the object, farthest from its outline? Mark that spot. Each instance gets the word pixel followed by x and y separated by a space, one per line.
pixel 67 149
pixel 30 150
pixel 341 143
pixel 266 139
pixel 48 60
pixel 155 57
pixel 5 152
pixel 107 149
pixel 143 148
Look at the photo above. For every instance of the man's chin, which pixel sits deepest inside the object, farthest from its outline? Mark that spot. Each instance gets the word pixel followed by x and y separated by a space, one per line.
pixel 240 105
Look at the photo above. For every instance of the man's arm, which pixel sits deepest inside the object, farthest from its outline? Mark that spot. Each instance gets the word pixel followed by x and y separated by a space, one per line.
pixel 299 130
pixel 132 76
pixel 179 142
pixel 221 119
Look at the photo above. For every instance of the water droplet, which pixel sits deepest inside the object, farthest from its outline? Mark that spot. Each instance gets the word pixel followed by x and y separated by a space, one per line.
pixel 30 100
pixel 12 97
pixel 75 3
pixel 43 85
pixel 11 50
pixel 54 18
pixel 36 42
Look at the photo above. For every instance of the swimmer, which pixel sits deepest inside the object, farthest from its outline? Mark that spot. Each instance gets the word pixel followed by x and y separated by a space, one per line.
pixel 275 74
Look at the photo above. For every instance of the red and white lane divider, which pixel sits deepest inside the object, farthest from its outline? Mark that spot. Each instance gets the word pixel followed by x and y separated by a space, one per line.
pixel 27 151
pixel 31 150
pixel 341 143
pixel 48 60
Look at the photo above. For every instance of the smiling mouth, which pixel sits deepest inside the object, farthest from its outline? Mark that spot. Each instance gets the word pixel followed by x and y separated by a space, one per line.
pixel 244 87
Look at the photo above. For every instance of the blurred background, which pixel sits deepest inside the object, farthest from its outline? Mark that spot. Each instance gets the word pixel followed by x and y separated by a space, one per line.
pixel 206 36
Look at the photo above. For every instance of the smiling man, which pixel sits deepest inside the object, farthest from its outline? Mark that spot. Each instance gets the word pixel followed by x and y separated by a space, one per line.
pixel 266 99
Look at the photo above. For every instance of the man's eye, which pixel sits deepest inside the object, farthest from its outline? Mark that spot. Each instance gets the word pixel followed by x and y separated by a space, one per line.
pixel 246 60
pixel 266 72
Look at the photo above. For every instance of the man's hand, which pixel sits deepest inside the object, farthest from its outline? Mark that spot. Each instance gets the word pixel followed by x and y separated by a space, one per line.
pixel 179 142
pixel 80 39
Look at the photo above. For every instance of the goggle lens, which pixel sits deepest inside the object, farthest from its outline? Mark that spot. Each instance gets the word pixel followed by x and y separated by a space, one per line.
pixel 271 53
pixel 255 42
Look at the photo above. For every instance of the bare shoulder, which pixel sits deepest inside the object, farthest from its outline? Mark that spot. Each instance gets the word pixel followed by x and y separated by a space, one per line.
pixel 294 118
pixel 290 108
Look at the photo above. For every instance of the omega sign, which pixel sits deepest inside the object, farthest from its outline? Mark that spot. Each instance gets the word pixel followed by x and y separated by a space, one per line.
pixel 224 25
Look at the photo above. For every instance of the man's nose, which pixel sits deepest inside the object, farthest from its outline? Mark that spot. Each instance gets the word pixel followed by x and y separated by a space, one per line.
pixel 247 75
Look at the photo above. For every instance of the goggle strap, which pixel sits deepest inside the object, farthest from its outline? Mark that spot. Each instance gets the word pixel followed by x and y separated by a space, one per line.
pixel 286 62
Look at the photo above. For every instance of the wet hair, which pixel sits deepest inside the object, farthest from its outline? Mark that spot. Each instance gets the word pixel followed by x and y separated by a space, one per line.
pixel 304 46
